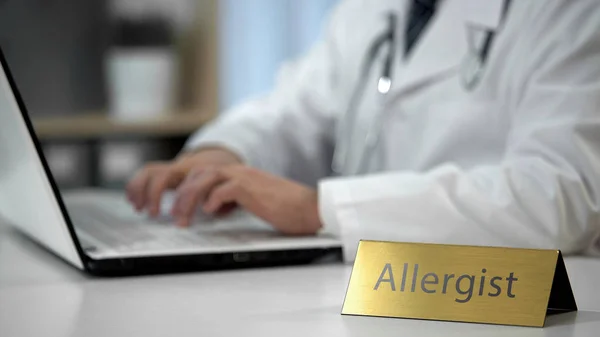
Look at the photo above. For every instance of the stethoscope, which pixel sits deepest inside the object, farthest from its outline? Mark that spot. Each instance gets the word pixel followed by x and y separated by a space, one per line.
pixel 471 72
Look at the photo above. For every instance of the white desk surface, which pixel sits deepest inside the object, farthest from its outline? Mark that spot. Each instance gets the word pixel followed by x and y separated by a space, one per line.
pixel 40 295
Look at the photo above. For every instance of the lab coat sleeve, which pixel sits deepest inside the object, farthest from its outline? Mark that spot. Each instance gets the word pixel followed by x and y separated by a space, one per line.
pixel 545 193
pixel 289 131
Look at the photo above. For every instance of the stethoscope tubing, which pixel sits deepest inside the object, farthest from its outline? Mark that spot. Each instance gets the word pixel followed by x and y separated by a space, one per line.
pixel 471 72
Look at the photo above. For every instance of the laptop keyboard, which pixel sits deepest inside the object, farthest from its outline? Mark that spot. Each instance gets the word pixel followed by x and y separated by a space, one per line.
pixel 109 229
pixel 108 226
pixel 119 227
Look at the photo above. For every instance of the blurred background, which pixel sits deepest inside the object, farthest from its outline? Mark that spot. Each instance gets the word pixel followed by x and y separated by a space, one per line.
pixel 113 84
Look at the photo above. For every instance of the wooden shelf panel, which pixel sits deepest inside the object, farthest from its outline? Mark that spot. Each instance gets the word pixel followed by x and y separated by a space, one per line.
pixel 98 125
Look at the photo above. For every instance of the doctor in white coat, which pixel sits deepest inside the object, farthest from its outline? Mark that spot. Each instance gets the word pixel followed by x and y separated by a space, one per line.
pixel 478 126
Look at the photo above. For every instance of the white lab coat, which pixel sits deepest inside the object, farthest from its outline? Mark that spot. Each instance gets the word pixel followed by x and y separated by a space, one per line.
pixel 514 162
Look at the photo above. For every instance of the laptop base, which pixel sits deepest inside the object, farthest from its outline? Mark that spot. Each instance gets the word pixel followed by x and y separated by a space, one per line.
pixel 211 262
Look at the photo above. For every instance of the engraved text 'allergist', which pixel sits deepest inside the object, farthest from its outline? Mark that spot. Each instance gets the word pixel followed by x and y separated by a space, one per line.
pixel 464 285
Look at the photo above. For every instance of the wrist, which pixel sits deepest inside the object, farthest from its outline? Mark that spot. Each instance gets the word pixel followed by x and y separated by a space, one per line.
pixel 191 154
pixel 216 154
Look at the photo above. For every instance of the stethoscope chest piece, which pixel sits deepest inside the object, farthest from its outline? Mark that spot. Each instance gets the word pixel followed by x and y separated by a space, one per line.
pixel 472 68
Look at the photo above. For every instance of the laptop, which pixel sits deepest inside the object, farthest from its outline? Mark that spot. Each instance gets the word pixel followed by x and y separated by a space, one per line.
pixel 98 231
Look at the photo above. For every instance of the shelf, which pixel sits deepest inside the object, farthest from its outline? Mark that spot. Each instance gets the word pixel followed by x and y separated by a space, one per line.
pixel 96 125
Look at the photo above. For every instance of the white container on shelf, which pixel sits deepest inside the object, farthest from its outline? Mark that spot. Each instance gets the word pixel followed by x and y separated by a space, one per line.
pixel 141 83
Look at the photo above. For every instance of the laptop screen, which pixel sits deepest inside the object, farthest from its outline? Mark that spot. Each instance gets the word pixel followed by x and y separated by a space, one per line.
pixel 29 198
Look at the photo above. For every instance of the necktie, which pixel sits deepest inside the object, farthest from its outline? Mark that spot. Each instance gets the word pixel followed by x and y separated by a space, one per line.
pixel 420 13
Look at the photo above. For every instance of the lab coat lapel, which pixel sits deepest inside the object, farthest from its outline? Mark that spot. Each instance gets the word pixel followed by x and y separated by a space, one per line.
pixel 443 46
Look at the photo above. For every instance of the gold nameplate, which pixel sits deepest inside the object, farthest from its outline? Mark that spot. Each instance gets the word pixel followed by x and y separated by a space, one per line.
pixel 458 283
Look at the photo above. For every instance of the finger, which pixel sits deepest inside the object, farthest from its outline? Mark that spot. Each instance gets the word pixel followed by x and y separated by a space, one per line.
pixel 136 188
pixel 156 188
pixel 224 194
pixel 196 173
pixel 193 192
